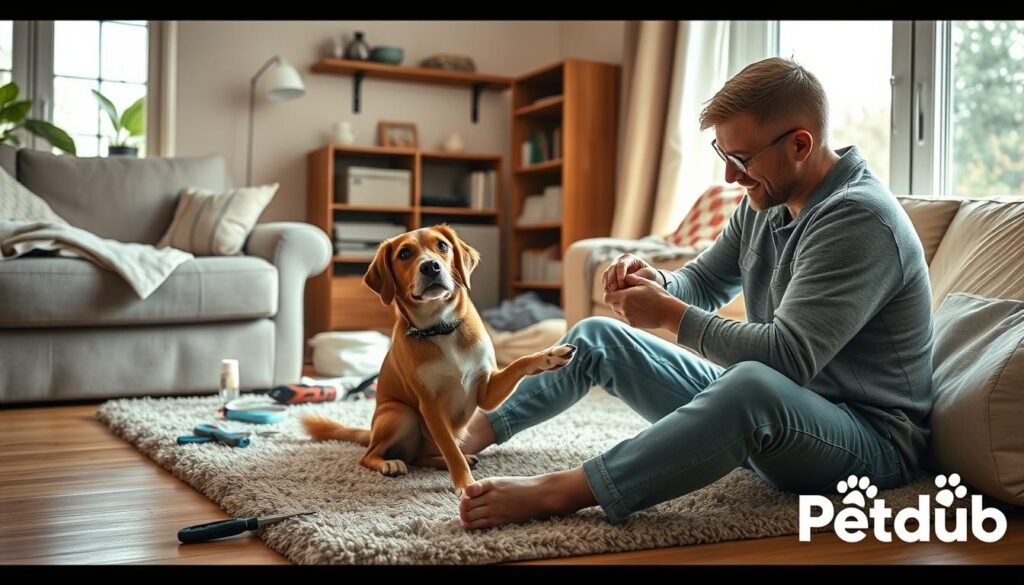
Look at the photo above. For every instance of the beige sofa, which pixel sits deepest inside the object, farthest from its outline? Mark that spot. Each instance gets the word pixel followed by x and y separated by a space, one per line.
pixel 70 330
pixel 975 254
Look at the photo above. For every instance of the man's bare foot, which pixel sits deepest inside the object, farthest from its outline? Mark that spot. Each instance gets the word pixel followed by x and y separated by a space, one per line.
pixel 479 434
pixel 505 500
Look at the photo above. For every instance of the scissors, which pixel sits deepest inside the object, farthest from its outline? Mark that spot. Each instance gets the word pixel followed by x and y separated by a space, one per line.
pixel 229 527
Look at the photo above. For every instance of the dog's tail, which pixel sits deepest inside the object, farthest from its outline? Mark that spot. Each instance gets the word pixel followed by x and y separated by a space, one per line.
pixel 322 428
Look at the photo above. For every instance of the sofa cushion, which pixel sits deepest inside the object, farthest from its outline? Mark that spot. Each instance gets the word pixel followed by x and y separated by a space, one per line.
pixel 982 252
pixel 122 198
pixel 17 202
pixel 978 389
pixel 9 159
pixel 72 292
pixel 708 216
pixel 209 223
pixel 931 217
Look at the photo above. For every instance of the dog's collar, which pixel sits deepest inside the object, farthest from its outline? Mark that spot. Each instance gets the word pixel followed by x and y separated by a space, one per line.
pixel 442 328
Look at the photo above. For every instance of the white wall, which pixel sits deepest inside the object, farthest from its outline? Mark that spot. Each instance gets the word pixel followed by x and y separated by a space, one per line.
pixel 597 40
pixel 217 59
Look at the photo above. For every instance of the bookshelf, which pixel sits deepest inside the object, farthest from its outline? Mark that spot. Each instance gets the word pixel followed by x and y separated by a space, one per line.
pixel 337 299
pixel 566 114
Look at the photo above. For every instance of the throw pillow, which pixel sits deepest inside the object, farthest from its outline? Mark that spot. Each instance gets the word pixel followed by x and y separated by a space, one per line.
pixel 208 223
pixel 708 217
pixel 977 389
pixel 17 202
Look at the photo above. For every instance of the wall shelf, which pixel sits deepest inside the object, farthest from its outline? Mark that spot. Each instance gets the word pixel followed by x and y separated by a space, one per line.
pixel 359 70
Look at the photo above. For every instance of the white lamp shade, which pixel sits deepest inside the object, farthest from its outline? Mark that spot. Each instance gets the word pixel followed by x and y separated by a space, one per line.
pixel 284 83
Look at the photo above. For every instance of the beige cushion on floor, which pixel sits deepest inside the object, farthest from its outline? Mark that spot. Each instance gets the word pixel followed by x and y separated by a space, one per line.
pixel 978 388
pixel 208 223
pixel 931 217
pixel 17 202
pixel 982 253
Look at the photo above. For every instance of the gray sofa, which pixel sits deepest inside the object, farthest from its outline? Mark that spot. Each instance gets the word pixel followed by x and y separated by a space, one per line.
pixel 69 330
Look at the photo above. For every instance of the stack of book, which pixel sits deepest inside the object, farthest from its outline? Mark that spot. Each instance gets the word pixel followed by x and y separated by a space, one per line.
pixel 543 207
pixel 361 240
pixel 541 265
pixel 480 189
pixel 543 145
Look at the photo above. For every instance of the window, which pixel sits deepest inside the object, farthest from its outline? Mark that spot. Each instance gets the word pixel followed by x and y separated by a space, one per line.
pixel 983 120
pixel 108 56
pixel 6 51
pixel 935 107
pixel 853 62
pixel 57 63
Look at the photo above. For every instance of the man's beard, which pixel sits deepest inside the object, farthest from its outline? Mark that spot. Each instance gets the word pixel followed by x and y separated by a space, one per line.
pixel 765 198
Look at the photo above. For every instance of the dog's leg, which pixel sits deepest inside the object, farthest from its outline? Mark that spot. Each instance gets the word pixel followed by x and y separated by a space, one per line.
pixel 438 462
pixel 504 381
pixel 441 431
pixel 394 439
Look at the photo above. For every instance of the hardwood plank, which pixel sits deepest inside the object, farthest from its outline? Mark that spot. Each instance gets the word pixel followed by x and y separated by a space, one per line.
pixel 73 492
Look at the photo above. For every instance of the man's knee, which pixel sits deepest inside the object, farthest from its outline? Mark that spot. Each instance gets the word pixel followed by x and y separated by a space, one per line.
pixel 595 331
pixel 749 386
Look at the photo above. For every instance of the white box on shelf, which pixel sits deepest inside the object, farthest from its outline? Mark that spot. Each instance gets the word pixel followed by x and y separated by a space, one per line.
pixel 377 187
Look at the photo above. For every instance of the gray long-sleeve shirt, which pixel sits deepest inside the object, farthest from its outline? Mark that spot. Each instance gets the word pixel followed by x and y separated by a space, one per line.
pixel 837 299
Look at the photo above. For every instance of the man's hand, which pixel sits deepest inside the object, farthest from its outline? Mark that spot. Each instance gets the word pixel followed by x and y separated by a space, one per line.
pixel 646 304
pixel 614 277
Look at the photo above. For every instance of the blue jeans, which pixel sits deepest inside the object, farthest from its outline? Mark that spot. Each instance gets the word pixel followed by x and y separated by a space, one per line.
pixel 705 422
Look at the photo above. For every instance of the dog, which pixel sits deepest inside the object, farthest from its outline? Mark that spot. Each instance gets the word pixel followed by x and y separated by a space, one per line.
pixel 441 365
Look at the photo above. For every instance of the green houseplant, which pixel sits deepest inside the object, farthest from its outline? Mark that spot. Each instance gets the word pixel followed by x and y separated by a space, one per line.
pixel 129 126
pixel 14 117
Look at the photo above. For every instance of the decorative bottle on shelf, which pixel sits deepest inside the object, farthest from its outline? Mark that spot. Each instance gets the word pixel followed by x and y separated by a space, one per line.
pixel 358 50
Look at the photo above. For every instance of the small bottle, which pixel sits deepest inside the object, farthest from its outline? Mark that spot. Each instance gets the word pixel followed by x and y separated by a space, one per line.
pixel 358 50
pixel 228 380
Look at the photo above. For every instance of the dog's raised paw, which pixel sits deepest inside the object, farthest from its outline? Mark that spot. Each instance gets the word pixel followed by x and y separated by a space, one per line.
pixel 559 356
pixel 394 468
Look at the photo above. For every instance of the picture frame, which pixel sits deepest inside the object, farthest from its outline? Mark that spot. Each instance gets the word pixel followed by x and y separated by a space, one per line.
pixel 398 134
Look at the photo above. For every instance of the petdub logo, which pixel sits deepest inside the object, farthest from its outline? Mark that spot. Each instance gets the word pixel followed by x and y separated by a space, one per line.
pixel 852 521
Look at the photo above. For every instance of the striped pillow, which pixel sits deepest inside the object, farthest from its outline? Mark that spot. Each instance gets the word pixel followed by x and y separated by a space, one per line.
pixel 207 223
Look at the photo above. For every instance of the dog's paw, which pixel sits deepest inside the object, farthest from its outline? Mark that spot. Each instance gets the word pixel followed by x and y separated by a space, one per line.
pixel 472 460
pixel 394 468
pixel 558 357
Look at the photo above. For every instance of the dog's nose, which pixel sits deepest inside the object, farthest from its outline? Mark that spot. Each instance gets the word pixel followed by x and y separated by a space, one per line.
pixel 430 268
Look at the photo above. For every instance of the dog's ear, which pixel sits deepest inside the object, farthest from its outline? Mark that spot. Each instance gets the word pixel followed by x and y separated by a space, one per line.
pixel 466 258
pixel 379 277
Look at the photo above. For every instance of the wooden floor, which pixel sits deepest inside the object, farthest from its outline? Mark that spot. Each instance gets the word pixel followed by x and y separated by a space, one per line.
pixel 72 492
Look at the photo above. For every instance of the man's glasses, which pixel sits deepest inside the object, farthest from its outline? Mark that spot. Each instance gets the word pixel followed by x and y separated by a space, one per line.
pixel 742 164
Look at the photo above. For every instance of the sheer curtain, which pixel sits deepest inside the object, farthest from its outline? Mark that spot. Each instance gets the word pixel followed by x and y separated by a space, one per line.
pixel 669 70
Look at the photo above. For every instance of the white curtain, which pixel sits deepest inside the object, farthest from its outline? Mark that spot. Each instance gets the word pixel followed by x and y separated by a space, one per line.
pixel 654 196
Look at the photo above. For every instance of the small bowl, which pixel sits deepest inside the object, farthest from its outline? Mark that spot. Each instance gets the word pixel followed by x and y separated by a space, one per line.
pixel 385 54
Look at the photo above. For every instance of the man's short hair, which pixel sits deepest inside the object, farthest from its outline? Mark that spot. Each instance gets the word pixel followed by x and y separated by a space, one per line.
pixel 773 89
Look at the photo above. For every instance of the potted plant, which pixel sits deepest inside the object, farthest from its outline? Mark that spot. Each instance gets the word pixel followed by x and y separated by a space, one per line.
pixel 128 126
pixel 14 117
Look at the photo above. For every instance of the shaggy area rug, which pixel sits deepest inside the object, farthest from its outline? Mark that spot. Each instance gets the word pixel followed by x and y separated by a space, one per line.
pixel 364 517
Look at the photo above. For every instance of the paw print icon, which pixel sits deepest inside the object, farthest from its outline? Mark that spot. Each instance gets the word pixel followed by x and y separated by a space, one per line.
pixel 951 489
pixel 855 489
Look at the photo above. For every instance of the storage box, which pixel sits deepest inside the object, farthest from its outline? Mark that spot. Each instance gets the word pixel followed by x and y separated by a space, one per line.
pixel 377 187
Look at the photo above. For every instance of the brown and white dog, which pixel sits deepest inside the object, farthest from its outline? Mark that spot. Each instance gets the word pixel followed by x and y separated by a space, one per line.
pixel 441 364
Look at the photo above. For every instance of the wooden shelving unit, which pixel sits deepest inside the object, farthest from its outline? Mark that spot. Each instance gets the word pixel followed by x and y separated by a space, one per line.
pixel 337 299
pixel 581 98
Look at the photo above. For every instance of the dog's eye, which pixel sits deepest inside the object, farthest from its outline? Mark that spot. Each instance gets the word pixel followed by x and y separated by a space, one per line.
pixel 442 246
pixel 404 254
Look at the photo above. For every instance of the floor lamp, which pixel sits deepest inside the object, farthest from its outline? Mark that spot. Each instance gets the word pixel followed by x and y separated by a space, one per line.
pixel 283 84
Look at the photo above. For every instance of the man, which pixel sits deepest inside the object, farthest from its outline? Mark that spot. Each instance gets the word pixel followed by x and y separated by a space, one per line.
pixel 830 376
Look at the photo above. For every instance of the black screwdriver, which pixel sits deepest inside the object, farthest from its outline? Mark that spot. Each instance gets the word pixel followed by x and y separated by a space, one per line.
pixel 229 527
